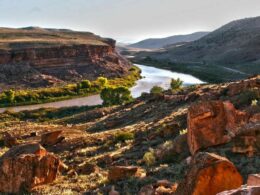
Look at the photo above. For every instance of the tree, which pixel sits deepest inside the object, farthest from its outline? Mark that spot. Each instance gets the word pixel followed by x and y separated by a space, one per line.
pixel 156 90
pixel 78 87
pixel 114 96
pixel 176 84
pixel 102 82
pixel 85 84
pixel 10 95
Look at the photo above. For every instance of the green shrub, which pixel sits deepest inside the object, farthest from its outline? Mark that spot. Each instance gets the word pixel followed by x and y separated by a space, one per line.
pixel 85 84
pixel 124 136
pixel 156 90
pixel 102 82
pixel 176 84
pixel 246 98
pixel 114 96
pixel 149 158
pixel 10 95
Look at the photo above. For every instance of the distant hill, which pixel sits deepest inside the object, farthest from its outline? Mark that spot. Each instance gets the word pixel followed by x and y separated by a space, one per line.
pixel 235 42
pixel 234 47
pixel 156 43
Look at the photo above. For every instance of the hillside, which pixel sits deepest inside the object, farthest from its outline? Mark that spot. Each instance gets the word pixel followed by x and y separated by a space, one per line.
pixel 233 49
pixel 203 137
pixel 33 57
pixel 156 43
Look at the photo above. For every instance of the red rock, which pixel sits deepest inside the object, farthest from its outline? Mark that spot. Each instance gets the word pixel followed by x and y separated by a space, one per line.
pixel 253 180
pixel 164 187
pixel 51 138
pixel 9 140
pixel 89 57
pixel 237 87
pixel 209 174
pixel 122 172
pixel 235 119
pixel 161 190
pixel 206 125
pixel 26 166
pixel 249 190
pixel 213 123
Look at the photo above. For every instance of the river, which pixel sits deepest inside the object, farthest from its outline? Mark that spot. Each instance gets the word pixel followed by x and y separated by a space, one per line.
pixel 151 77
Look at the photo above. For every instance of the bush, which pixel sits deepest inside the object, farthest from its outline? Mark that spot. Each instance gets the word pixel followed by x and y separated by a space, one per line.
pixel 149 158
pixel 156 90
pixel 124 136
pixel 85 84
pixel 183 131
pixel 176 84
pixel 114 96
pixel 102 82
pixel 10 95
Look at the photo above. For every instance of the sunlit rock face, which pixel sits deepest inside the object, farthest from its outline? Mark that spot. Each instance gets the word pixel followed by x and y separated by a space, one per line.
pixel 209 174
pixel 26 166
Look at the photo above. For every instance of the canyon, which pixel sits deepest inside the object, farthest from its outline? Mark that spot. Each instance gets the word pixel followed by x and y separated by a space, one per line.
pixel 37 57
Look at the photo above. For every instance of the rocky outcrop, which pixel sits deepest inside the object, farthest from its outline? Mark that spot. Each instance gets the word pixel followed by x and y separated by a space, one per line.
pixel 122 172
pixel 9 140
pixel 209 174
pixel 26 166
pixel 246 190
pixel 51 138
pixel 49 56
pixel 214 122
pixel 237 87
pixel 253 180
pixel 160 187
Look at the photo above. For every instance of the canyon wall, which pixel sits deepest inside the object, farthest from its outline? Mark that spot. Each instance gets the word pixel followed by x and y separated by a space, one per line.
pixel 39 63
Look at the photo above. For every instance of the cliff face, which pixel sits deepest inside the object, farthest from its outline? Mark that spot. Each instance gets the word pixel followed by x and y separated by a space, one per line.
pixel 32 59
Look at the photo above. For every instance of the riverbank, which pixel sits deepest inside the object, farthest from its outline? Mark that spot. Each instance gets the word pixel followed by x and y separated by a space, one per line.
pixel 74 90
pixel 151 77
pixel 207 73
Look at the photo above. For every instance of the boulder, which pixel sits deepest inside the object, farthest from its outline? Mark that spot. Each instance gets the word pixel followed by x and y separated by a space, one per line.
pixel 244 190
pixel 122 172
pixel 213 123
pixel 51 138
pixel 25 166
pixel 9 140
pixel 209 174
pixel 87 168
pixel 253 180
pixel 164 187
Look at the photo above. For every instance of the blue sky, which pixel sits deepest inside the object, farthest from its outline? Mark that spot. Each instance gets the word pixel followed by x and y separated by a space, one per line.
pixel 127 20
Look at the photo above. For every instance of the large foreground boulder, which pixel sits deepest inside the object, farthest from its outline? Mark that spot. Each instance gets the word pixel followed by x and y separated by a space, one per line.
pixel 212 123
pixel 209 174
pixel 26 166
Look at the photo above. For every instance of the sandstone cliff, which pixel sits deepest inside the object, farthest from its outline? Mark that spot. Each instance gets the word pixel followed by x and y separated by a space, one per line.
pixel 39 57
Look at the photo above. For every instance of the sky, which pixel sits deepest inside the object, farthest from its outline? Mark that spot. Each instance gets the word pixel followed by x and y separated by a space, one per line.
pixel 127 20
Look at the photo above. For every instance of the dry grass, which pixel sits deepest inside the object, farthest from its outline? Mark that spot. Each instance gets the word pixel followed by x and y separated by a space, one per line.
pixel 37 37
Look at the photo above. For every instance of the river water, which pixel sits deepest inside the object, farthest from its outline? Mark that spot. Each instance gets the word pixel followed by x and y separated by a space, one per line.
pixel 151 77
